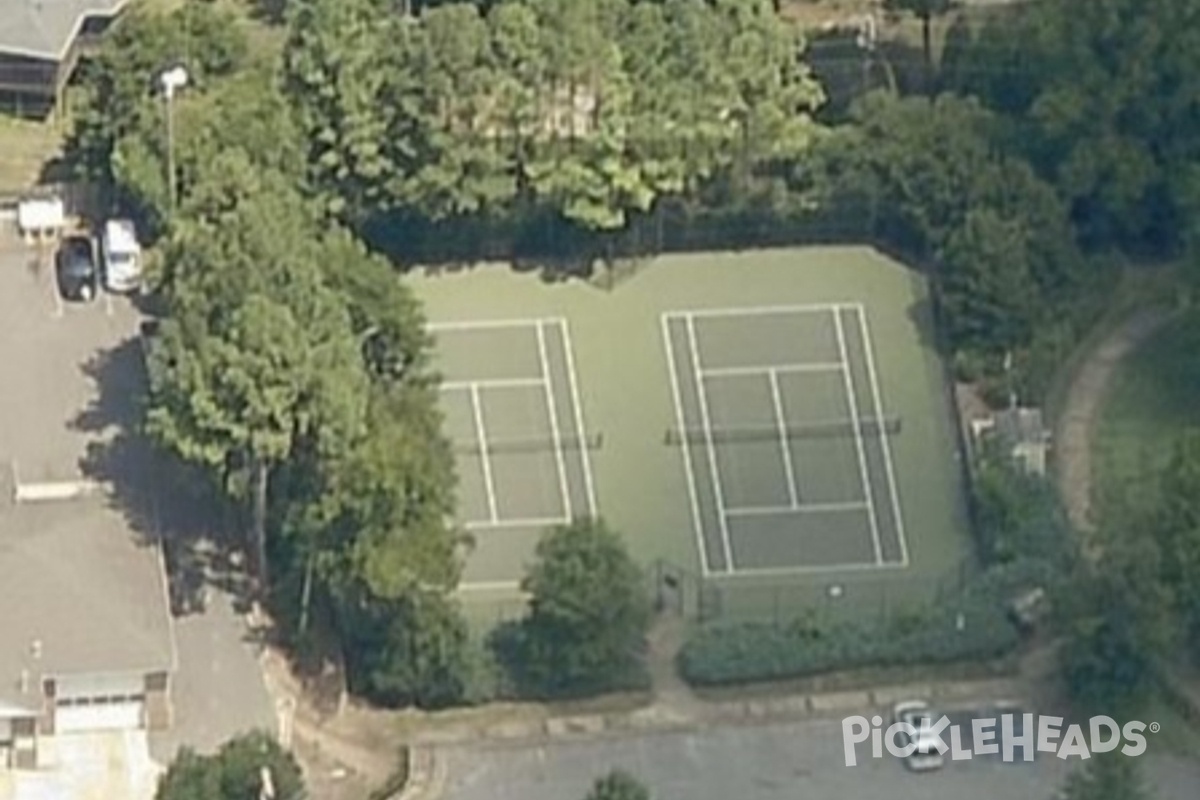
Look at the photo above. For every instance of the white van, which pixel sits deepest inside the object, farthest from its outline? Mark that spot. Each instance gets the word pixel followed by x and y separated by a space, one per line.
pixel 122 256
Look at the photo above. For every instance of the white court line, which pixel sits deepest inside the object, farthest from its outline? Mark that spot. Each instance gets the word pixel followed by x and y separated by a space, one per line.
pixel 777 400
pixel 665 322
pixel 816 366
pixel 485 457
pixel 555 433
pixel 751 311
pixel 801 508
pixel 887 447
pixel 858 439
pixel 569 351
pixel 718 492
pixel 532 522
pixel 486 324
pixel 817 569
pixel 493 383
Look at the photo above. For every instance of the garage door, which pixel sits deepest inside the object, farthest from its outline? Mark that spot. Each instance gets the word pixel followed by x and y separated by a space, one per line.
pixel 98 714
pixel 98 702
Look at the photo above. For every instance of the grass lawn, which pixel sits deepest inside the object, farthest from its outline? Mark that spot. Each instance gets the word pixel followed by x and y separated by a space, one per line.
pixel 1155 393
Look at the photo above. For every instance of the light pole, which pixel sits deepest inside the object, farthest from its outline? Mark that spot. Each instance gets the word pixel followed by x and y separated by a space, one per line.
pixel 171 80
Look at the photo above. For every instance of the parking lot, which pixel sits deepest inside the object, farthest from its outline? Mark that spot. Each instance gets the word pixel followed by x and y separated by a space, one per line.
pixel 802 760
pixel 73 380
pixel 53 353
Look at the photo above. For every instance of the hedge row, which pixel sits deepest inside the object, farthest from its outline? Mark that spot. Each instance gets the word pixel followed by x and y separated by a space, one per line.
pixel 749 652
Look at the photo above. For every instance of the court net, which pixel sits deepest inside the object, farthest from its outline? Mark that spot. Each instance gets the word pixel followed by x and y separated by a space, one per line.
pixel 532 444
pixel 825 429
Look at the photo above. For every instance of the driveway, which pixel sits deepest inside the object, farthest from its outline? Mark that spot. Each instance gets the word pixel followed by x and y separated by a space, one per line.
pixel 219 690
pixel 801 760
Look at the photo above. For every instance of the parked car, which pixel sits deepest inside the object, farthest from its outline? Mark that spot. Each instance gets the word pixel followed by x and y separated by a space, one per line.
pixel 122 256
pixel 75 265
pixel 918 714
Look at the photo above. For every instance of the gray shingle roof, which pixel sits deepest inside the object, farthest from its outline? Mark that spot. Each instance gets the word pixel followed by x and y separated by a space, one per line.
pixel 46 28
pixel 74 580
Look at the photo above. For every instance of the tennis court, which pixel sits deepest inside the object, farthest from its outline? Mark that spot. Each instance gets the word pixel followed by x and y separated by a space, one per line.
pixel 785 440
pixel 512 410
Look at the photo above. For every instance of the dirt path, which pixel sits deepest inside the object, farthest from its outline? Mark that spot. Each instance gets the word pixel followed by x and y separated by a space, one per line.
pixel 1081 410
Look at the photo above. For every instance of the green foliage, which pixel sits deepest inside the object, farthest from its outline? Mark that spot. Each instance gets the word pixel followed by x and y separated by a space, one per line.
pixel 995 237
pixel 1106 776
pixel 120 94
pixel 1177 527
pixel 590 110
pixel 415 650
pixel 1120 622
pixel 618 785
pixel 1018 515
pixel 233 773
pixel 588 614
pixel 733 654
pixel 1117 140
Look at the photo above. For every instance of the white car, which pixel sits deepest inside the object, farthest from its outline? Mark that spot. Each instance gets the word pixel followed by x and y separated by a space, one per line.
pixel 918 714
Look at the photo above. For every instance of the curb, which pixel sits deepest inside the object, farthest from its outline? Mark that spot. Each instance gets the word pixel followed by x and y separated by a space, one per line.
pixel 426 777
pixel 765 711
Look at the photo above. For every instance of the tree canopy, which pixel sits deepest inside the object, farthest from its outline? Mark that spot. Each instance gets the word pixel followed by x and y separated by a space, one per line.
pixel 235 772
pixel 592 110
pixel 588 612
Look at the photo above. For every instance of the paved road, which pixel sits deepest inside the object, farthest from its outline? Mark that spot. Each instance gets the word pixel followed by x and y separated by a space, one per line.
pixel 803 760
pixel 219 690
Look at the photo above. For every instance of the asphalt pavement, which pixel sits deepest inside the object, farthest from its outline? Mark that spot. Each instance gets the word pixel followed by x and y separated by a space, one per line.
pixel 799 760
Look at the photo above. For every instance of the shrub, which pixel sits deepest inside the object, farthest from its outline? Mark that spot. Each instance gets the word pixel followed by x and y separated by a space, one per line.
pixel 744 653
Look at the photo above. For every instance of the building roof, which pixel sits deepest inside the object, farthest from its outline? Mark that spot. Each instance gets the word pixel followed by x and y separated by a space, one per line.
pixel 46 28
pixel 80 594
pixel 1021 426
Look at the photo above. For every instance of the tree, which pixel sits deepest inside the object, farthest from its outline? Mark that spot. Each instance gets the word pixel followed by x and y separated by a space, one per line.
pixel 618 785
pixel 925 11
pixel 988 297
pixel 235 772
pixel 1176 527
pixel 1106 776
pixel 588 609
pixel 1120 623
pixel 256 354
pixel 1117 142
pixel 414 650
pixel 119 88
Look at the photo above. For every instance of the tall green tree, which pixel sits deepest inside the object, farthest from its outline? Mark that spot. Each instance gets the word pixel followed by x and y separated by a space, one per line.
pixel 588 610
pixel 334 78
pixel 234 772
pixel 1099 94
pixel 257 353
pixel 119 91
pixel 413 651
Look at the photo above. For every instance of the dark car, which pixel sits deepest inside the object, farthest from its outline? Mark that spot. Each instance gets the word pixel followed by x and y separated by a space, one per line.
pixel 75 264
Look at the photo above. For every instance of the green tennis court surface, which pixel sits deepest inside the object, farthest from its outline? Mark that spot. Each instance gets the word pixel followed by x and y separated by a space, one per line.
pixel 772 429
pixel 784 439
pixel 512 410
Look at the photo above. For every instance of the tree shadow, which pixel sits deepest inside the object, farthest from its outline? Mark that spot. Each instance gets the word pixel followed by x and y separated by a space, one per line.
pixel 163 499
